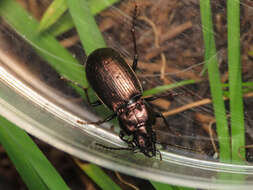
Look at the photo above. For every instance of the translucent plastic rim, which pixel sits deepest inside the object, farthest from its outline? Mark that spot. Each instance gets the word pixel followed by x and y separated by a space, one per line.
pixel 30 106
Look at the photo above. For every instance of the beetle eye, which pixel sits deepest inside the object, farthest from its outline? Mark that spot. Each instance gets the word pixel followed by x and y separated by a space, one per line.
pixel 138 106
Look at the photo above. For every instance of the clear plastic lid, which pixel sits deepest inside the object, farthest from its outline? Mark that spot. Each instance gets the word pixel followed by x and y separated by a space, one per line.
pixel 46 111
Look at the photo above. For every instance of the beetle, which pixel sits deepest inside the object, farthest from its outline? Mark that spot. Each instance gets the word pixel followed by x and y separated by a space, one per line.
pixel 117 86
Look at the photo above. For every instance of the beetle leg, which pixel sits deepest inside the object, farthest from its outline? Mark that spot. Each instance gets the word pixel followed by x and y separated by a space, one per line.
pixel 109 118
pixel 158 114
pixel 78 85
pixel 154 140
pixel 153 135
pixel 93 104
pixel 129 142
pixel 121 136
pixel 135 61
pixel 73 82
pixel 151 98
pixel 114 148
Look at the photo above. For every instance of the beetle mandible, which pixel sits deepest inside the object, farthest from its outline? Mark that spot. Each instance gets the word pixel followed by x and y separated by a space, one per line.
pixel 118 87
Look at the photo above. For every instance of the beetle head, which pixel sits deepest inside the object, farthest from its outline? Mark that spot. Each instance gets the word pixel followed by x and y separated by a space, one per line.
pixel 145 142
pixel 134 116
pixel 136 119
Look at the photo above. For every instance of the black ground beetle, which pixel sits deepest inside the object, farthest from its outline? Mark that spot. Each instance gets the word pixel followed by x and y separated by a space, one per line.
pixel 118 87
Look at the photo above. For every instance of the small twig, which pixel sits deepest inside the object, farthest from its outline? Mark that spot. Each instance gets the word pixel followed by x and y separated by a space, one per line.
pixel 244 147
pixel 188 106
pixel 156 34
pixel 211 135
pixel 176 30
pixel 152 67
pixel 125 182
pixel 68 42
pixel 197 104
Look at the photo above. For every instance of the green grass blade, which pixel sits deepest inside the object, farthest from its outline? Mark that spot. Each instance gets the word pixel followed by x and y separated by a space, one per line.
pixel 163 88
pixel 244 84
pixel 53 13
pixel 215 82
pixel 63 22
pixel 86 26
pixel 97 6
pixel 62 25
pixel 34 168
pixel 46 45
pixel 235 80
pixel 99 176
pixel 184 188
pixel 89 33
pixel 247 84
pixel 162 186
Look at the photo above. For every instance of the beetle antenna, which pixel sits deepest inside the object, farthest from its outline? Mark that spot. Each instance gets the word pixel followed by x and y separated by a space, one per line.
pixel 178 146
pixel 113 148
pixel 135 61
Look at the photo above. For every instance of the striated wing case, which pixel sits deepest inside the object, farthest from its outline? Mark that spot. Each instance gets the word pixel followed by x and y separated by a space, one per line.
pixel 113 80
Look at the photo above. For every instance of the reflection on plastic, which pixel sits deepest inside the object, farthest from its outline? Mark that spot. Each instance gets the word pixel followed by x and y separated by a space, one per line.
pixel 56 124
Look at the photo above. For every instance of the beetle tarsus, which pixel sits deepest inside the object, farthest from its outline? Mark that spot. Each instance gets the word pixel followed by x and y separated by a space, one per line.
pixel 109 118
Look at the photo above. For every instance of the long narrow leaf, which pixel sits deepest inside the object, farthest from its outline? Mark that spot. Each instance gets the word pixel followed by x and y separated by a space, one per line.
pixel 215 82
pixel 161 186
pixel 235 80
pixel 46 45
pixel 163 88
pixel 34 168
pixel 98 176
pixel 86 26
pixel 62 25
pixel 54 15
